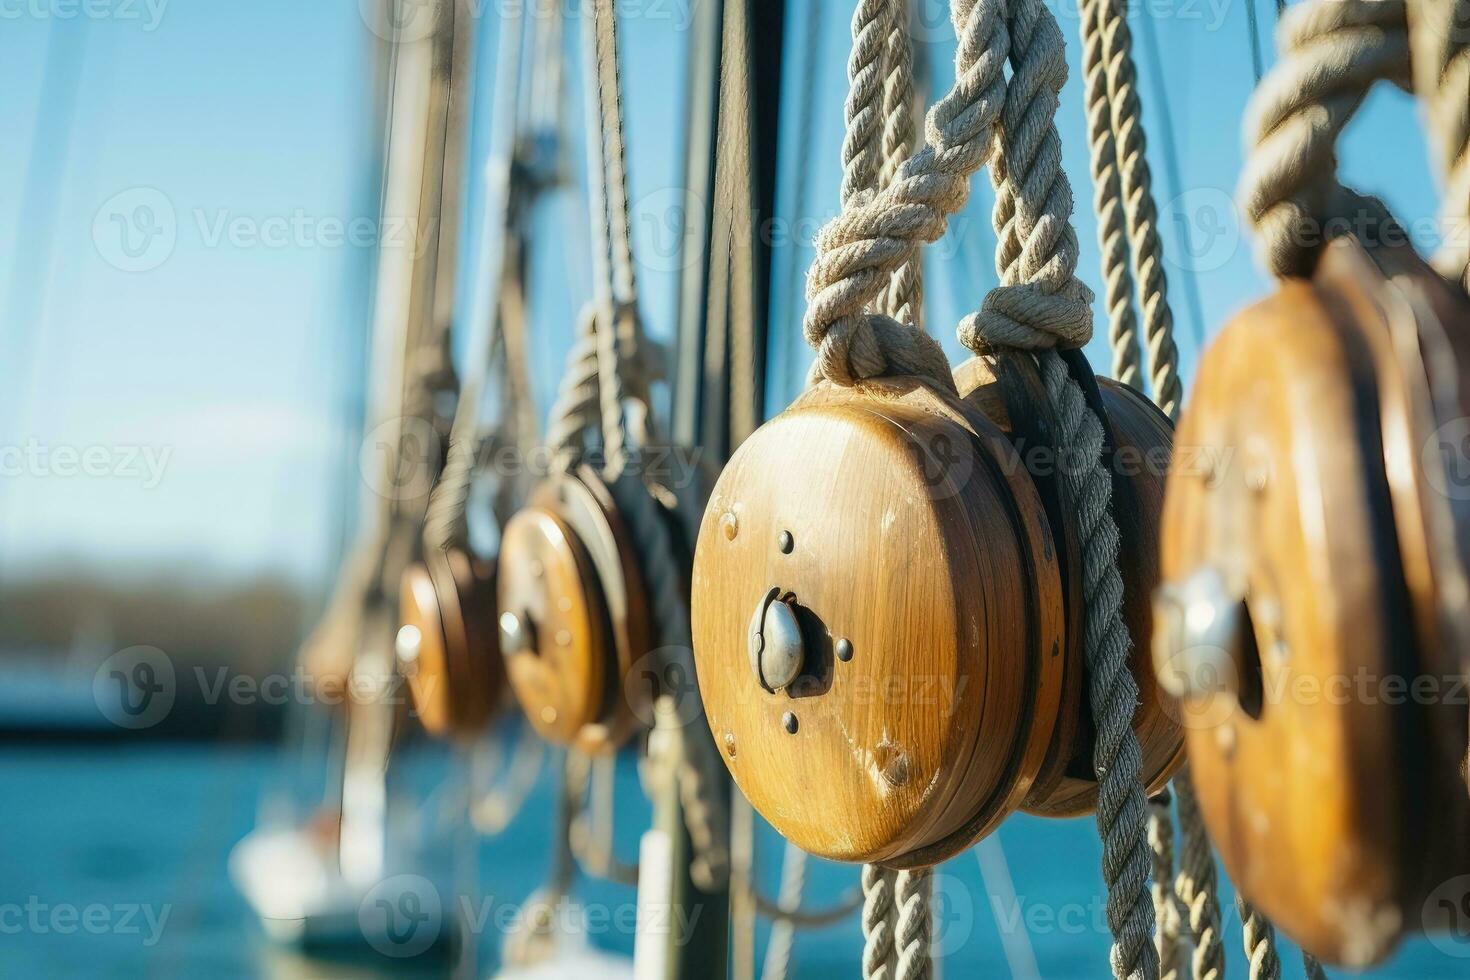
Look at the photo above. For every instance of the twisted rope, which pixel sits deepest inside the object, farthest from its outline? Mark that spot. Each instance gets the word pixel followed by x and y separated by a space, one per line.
pixel 911 893
pixel 700 769
pixel 1139 207
pixel 867 74
pixel 1312 967
pixel 578 400
pixel 1166 903
pixel 1197 885
pixel 1332 54
pixel 904 299
pixel 1107 203
pixel 1041 305
pixel 1441 42
pixel 1260 942
pixel 860 249
pixel 783 933
pixel 880 956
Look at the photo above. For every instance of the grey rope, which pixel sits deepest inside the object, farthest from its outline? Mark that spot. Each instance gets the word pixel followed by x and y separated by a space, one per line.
pixel 1332 54
pixel 1139 207
pixel 1312 967
pixel 1108 204
pixel 578 402
pixel 700 769
pixel 1041 305
pixel 880 956
pixel 1260 942
pixel 1197 885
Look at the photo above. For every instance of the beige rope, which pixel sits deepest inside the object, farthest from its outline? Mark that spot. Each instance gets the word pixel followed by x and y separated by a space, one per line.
pixel 578 402
pixel 858 251
pixel 777 964
pixel 1107 203
pixel 1260 942
pixel 1331 55
pixel 1138 205
pixel 1197 884
pixel 1166 904
pixel 880 955
pixel 1440 35
pixel 867 73
pixel 904 299
pixel 912 891
pixel 1041 305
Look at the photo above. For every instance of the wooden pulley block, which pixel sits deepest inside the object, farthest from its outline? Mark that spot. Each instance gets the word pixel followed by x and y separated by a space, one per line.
pixel 1007 388
pixel 574 613
pixel 878 628
pixel 1313 618
pixel 448 644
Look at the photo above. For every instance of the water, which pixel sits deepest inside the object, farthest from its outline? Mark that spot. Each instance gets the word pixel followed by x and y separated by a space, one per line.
pixel 112 865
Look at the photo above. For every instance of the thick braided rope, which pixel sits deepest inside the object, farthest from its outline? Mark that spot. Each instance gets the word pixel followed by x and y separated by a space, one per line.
pixel 880 956
pixel 1122 809
pixel 1138 205
pixel 610 99
pixel 904 298
pixel 858 251
pixel 607 178
pixel 578 405
pixel 1331 55
pixel 1260 942
pixel 1197 885
pixel 1107 203
pixel 1041 305
pixel 777 965
pixel 1312 967
pixel 446 521
pixel 867 74
pixel 1440 35
pixel 1166 904
pixel 700 768
pixel 912 891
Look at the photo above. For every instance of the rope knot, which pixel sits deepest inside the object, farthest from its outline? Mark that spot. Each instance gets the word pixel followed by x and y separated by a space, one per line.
pixel 1332 54
pixel 1028 316
pixel 872 345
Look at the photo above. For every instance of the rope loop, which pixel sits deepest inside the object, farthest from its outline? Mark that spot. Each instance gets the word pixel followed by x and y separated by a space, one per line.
pixel 869 246
pixel 1332 55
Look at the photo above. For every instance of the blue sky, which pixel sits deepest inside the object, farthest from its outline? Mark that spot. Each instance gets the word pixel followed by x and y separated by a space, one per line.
pixel 237 361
